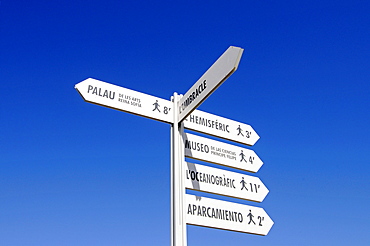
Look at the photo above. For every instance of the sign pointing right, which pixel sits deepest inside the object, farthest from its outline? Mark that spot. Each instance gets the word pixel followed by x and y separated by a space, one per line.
pixel 221 127
pixel 224 154
pixel 225 65
pixel 225 183
pixel 224 215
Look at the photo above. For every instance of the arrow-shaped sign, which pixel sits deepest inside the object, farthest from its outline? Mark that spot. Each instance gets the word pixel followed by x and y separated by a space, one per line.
pixel 221 127
pixel 222 182
pixel 116 97
pixel 217 152
pixel 224 215
pixel 225 65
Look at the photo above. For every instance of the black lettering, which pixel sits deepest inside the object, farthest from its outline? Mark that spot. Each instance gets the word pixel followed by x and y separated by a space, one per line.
pixel 201 121
pixel 240 217
pixel 218 214
pixel 189 209
pixel 198 148
pixel 206 148
pixel 192 175
pixel 204 211
pixel 231 216
pixel 187 144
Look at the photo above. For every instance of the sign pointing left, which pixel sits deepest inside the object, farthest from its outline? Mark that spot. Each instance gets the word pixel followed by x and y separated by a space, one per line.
pixel 120 98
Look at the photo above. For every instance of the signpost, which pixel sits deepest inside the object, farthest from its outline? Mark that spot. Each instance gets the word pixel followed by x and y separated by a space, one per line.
pixel 224 215
pixel 181 113
pixel 222 182
pixel 205 149
pixel 225 65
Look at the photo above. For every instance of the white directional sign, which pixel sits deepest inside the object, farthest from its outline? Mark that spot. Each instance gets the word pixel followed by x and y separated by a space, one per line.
pixel 116 97
pixel 225 65
pixel 205 149
pixel 221 127
pixel 222 182
pixel 224 215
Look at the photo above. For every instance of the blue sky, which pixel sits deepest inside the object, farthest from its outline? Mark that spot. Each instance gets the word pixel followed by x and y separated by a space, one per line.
pixel 73 173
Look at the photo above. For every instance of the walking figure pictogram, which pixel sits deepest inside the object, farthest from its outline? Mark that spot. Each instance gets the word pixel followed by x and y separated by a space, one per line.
pixel 240 131
pixel 242 155
pixel 250 215
pixel 243 183
pixel 156 106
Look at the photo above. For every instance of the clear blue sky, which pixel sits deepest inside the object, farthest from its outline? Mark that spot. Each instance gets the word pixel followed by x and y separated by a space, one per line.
pixel 73 173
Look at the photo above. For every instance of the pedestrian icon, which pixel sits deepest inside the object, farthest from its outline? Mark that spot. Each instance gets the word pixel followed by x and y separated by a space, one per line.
pixel 242 155
pixel 240 131
pixel 250 215
pixel 243 184
pixel 156 106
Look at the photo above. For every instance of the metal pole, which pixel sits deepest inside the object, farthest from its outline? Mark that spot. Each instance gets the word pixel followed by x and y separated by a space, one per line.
pixel 172 179
pixel 178 225
pixel 182 183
